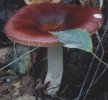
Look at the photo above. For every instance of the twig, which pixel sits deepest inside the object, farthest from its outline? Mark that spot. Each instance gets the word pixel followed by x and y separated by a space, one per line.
pixel 64 89
pixel 14 48
pixel 84 82
pixel 91 83
pixel 80 94
pixel 4 42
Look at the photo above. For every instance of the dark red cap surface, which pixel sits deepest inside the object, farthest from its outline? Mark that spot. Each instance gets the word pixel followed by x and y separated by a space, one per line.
pixel 31 25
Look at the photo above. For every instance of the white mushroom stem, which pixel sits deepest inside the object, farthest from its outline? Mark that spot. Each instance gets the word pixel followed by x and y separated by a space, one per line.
pixel 55 69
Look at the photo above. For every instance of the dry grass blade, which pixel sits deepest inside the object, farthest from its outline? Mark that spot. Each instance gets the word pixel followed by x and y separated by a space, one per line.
pixel 18 58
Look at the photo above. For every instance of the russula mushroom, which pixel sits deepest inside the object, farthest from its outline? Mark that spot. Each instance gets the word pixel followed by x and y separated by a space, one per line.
pixel 30 26
pixel 28 2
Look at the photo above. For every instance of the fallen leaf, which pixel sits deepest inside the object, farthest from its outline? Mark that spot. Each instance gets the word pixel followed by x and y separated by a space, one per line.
pixel 27 85
pixel 3 54
pixel 17 86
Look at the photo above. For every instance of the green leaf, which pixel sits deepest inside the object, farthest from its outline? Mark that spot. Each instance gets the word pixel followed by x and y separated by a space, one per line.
pixel 75 38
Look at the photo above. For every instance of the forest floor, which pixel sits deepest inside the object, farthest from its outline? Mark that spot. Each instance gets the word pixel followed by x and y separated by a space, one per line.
pixel 14 86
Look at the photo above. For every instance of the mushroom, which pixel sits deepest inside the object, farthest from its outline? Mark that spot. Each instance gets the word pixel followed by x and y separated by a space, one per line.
pixel 30 26
pixel 28 2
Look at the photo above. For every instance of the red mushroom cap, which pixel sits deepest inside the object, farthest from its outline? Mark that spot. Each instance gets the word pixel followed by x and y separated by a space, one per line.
pixel 30 26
